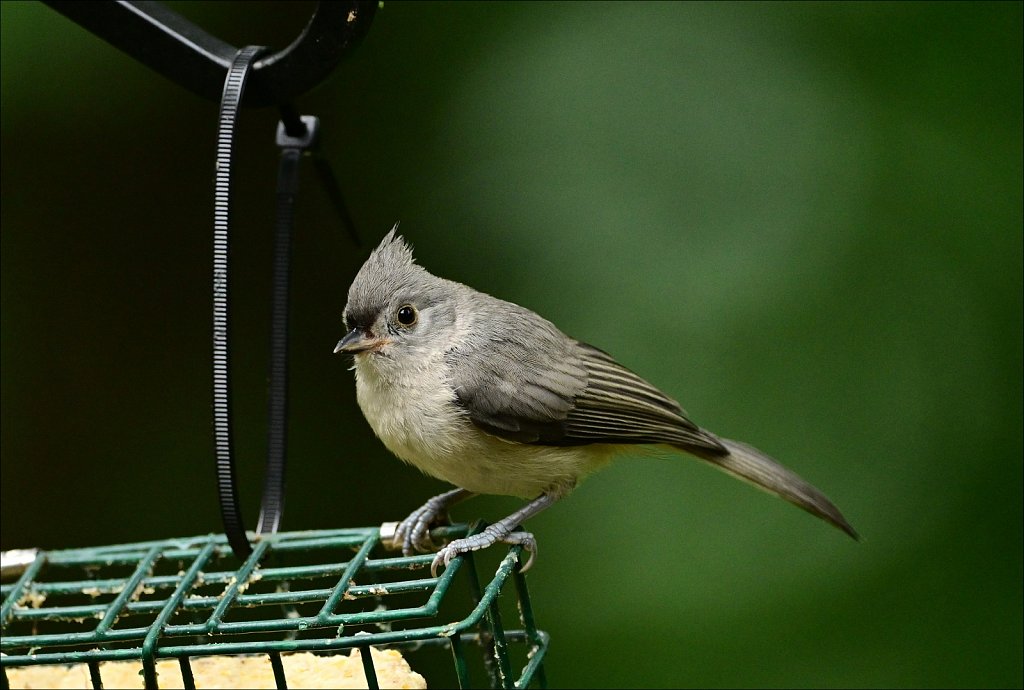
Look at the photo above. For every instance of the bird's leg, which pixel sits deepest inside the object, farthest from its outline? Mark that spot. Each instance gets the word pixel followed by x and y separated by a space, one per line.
pixel 413 533
pixel 499 531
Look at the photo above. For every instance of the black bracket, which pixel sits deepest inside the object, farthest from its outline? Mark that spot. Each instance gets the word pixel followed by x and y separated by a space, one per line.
pixel 183 52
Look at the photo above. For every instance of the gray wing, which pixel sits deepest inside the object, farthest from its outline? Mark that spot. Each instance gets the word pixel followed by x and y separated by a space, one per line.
pixel 521 380
pixel 617 406
pixel 530 383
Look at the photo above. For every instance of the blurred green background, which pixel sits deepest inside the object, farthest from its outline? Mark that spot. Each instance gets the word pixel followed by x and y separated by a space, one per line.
pixel 804 221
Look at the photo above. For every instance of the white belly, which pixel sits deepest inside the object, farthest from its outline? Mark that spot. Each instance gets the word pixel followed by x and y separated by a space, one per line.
pixel 419 421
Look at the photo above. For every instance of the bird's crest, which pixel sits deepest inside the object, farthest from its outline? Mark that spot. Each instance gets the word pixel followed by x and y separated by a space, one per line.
pixel 393 252
pixel 389 269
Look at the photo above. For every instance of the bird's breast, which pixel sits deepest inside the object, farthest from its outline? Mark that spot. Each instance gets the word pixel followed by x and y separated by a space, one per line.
pixel 416 416
pixel 414 413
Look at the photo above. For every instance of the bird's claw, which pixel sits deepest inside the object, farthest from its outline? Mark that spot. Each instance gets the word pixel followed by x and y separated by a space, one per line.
pixel 482 541
pixel 413 533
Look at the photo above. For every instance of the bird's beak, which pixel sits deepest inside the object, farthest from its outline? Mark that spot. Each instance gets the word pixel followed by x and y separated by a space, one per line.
pixel 357 340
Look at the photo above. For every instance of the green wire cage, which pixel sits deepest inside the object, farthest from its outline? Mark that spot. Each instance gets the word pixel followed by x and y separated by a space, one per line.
pixel 324 592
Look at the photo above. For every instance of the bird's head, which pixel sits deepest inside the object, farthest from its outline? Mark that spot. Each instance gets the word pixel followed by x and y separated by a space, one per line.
pixel 396 309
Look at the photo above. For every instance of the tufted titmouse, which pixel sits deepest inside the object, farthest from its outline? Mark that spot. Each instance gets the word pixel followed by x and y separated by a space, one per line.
pixel 494 399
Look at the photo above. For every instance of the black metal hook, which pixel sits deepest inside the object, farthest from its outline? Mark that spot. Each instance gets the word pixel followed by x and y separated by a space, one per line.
pixel 183 52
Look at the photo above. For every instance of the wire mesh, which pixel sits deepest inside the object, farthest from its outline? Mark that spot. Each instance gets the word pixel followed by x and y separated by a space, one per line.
pixel 317 591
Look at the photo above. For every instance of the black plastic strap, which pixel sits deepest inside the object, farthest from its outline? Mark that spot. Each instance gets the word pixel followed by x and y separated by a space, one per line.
pixel 234 87
pixel 306 131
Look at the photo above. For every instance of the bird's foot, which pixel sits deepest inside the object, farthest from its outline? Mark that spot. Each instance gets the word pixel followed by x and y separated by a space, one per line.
pixel 491 535
pixel 413 533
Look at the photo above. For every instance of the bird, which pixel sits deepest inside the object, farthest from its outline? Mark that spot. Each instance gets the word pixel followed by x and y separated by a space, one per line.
pixel 493 398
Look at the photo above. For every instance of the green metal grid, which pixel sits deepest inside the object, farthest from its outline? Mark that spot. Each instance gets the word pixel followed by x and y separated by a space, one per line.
pixel 316 591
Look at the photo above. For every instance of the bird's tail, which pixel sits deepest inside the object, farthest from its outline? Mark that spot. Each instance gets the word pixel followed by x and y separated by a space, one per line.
pixel 751 465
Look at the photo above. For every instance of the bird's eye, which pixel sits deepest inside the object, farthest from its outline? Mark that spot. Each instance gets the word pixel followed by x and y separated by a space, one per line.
pixel 406 315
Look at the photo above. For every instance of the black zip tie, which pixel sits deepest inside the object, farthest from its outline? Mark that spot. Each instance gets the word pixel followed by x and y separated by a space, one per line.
pixel 292 148
pixel 295 136
pixel 234 87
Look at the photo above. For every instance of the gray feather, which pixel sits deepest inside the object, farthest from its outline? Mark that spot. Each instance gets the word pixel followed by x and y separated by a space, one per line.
pixel 617 406
pixel 519 383
pixel 528 382
pixel 750 464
